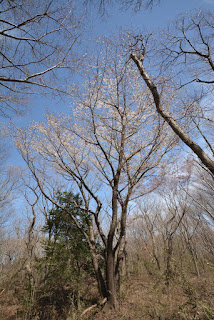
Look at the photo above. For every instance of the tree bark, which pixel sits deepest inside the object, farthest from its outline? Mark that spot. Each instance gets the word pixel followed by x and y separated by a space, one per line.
pixel 111 279
pixel 99 278
pixel 110 252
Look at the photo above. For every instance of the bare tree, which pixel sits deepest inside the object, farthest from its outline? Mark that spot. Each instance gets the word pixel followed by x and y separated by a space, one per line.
pixel 188 45
pixel 191 50
pixel 171 235
pixel 9 183
pixel 110 150
pixel 202 192
pixel 36 47
pixel 144 241
pixel 37 41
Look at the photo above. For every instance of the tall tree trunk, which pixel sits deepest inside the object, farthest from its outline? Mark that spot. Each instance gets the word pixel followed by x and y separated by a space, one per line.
pixel 111 278
pixel 99 277
pixel 110 252
pixel 120 262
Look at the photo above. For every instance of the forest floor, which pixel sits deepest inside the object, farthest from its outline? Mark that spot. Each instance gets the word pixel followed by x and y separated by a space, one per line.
pixel 146 298
pixel 143 297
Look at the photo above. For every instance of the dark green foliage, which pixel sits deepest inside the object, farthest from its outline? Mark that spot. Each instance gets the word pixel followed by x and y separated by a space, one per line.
pixel 60 223
pixel 66 251
pixel 67 261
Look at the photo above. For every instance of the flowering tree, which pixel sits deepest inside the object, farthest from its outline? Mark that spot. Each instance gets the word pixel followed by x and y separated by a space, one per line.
pixel 110 149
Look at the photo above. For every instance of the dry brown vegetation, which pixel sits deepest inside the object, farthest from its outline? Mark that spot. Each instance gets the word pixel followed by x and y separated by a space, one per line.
pixel 147 289
pixel 147 297
pixel 142 296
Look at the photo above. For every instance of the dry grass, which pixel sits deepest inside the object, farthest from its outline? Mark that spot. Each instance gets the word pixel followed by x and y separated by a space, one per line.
pixel 148 298
pixel 142 297
pixel 9 305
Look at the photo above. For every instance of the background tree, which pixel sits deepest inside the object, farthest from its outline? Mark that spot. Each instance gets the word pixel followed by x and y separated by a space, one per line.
pixel 202 191
pixel 168 233
pixel 10 182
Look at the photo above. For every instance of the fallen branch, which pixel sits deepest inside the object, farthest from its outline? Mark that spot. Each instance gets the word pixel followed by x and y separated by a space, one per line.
pixel 93 306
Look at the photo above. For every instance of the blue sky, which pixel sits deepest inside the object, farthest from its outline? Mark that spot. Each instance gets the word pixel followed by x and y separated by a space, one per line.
pixel 145 20
pixel 158 17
